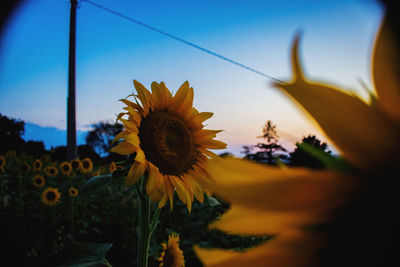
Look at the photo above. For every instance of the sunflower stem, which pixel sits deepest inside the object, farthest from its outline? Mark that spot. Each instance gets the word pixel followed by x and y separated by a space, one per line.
pixel 144 220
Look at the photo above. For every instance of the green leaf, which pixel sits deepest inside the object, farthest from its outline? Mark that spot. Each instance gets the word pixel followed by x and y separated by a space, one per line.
pixel 211 201
pixel 119 174
pixel 88 254
pixel 96 183
pixel 329 161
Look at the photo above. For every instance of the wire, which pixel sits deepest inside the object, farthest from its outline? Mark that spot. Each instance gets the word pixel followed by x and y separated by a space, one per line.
pixel 182 40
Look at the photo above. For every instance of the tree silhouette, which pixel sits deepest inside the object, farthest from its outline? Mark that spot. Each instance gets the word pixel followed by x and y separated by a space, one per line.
pixel 10 134
pixel 268 152
pixel 101 136
pixel 301 158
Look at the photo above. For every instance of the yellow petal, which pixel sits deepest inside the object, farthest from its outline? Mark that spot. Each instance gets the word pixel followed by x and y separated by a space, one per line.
pixel 144 95
pixel 180 96
pixel 153 178
pixel 354 127
pixel 132 104
pixel 163 201
pixel 121 135
pixel 271 188
pixel 247 221
pixel 132 139
pixel 386 68
pixel 213 144
pixel 135 173
pixel 123 149
pixel 180 189
pixel 140 157
pixel 129 125
pixel 196 188
pixel 293 249
pixel 186 106
pixel 169 188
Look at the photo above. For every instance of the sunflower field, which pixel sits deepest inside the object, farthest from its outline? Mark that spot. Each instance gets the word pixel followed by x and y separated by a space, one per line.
pixel 74 213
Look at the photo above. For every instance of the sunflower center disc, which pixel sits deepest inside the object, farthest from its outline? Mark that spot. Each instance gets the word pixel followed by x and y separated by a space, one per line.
pixel 51 196
pixel 167 142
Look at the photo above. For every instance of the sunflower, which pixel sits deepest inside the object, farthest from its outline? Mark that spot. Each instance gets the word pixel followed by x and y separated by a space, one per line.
pixel 86 165
pixel 2 162
pixel 355 211
pixel 50 171
pixel 166 134
pixel 73 192
pixel 66 168
pixel 51 196
pixel 25 168
pixel 172 255
pixel 112 167
pixel 38 181
pixel 37 165
pixel 75 164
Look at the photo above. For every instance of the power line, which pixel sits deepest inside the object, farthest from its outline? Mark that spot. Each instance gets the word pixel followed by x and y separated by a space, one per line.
pixel 176 38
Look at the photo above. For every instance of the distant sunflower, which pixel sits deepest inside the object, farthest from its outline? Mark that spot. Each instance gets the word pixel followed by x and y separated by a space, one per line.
pixel 25 168
pixel 172 255
pixel 50 171
pixel 166 134
pixel 112 167
pixel 37 164
pixel 66 168
pixel 38 181
pixel 51 196
pixel 75 164
pixel 73 192
pixel 2 162
pixel 86 165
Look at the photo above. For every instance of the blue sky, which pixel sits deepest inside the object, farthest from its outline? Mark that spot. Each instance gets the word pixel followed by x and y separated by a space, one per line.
pixel 336 47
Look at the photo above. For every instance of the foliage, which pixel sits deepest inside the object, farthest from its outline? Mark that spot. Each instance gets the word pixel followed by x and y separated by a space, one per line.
pixel 269 151
pixel 79 231
pixel 299 157
pixel 101 136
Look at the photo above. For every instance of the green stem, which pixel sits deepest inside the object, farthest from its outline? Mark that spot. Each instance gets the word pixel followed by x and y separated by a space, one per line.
pixel 144 219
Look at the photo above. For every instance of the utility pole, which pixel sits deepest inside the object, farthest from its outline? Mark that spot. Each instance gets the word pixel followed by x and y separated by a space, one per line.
pixel 71 107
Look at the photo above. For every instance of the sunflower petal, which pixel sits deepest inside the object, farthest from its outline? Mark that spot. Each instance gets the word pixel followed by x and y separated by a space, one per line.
pixel 293 249
pixel 153 178
pixel 140 157
pixel 247 221
pixel 186 106
pixel 213 144
pixel 144 95
pixel 385 70
pixel 123 149
pixel 181 94
pixel 349 122
pixel 135 173
pixel 303 189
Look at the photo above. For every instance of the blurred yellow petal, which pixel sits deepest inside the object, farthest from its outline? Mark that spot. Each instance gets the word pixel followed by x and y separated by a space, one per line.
pixel 247 221
pixel 214 144
pixel 271 188
pixel 293 249
pixel 350 123
pixel 123 149
pixel 386 68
